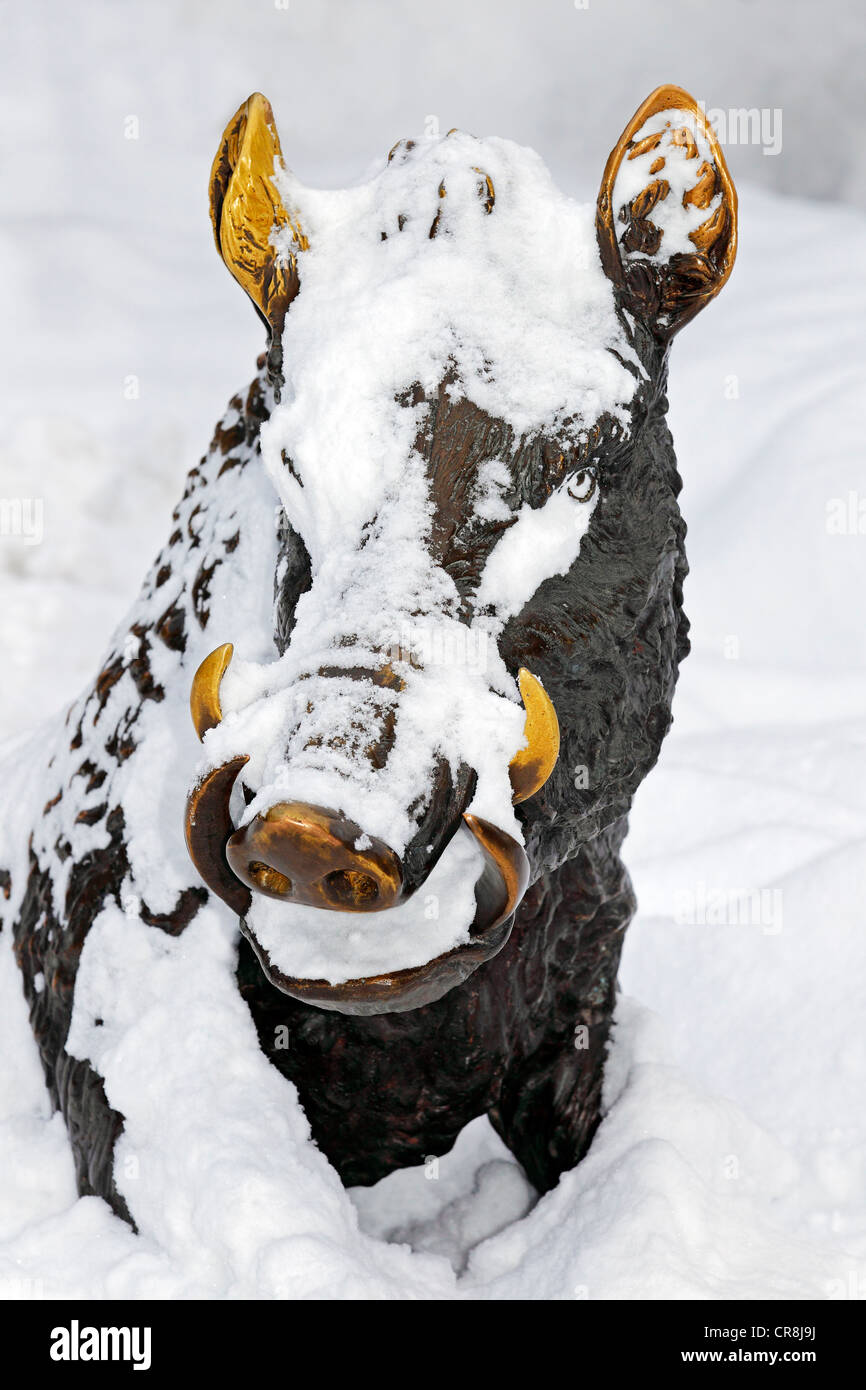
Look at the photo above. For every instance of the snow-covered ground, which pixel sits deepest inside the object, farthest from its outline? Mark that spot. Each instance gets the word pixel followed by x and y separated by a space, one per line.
pixel 732 1159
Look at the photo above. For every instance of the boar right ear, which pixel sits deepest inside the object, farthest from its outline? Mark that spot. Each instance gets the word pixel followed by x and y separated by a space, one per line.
pixel 666 217
pixel 247 213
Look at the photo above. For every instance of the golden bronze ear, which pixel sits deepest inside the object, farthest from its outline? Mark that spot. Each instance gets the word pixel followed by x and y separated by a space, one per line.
pixel 246 210
pixel 665 291
pixel 531 766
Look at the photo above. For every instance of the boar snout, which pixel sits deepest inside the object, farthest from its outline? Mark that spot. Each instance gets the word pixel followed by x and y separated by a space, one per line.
pixel 312 855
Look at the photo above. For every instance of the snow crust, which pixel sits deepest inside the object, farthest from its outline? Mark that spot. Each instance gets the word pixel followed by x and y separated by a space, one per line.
pixel 543 541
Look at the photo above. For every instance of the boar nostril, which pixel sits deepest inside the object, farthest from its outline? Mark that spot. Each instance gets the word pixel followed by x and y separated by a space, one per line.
pixel 349 888
pixel 268 879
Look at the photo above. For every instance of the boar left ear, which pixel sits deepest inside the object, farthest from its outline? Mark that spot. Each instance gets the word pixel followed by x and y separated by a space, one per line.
pixel 248 213
pixel 666 218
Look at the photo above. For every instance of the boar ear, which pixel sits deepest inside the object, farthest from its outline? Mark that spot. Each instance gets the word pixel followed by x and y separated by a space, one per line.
pixel 666 217
pixel 256 236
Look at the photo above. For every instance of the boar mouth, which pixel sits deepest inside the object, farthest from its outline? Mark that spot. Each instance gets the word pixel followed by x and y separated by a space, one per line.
pixel 395 993
pixel 498 892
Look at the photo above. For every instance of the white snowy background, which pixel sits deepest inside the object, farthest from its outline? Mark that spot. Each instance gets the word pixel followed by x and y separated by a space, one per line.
pixel 732 1159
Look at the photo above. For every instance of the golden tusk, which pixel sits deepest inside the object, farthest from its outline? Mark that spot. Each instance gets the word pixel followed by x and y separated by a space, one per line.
pixel 208 825
pixel 204 698
pixel 503 883
pixel 531 766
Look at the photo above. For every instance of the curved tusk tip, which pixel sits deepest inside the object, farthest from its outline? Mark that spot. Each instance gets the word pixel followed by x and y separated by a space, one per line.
pixel 204 697
pixel 207 825
pixel 531 766
pixel 507 873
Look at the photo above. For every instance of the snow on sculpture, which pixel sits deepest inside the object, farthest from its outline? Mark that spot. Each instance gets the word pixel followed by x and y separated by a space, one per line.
pixel 425 590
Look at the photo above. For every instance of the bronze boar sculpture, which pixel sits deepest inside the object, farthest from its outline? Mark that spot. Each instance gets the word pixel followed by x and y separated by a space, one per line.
pixel 357 775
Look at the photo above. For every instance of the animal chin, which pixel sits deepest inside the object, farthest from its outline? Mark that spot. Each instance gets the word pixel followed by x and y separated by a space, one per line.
pixel 398 990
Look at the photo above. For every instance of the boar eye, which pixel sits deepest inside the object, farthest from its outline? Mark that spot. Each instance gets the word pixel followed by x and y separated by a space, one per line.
pixel 582 486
